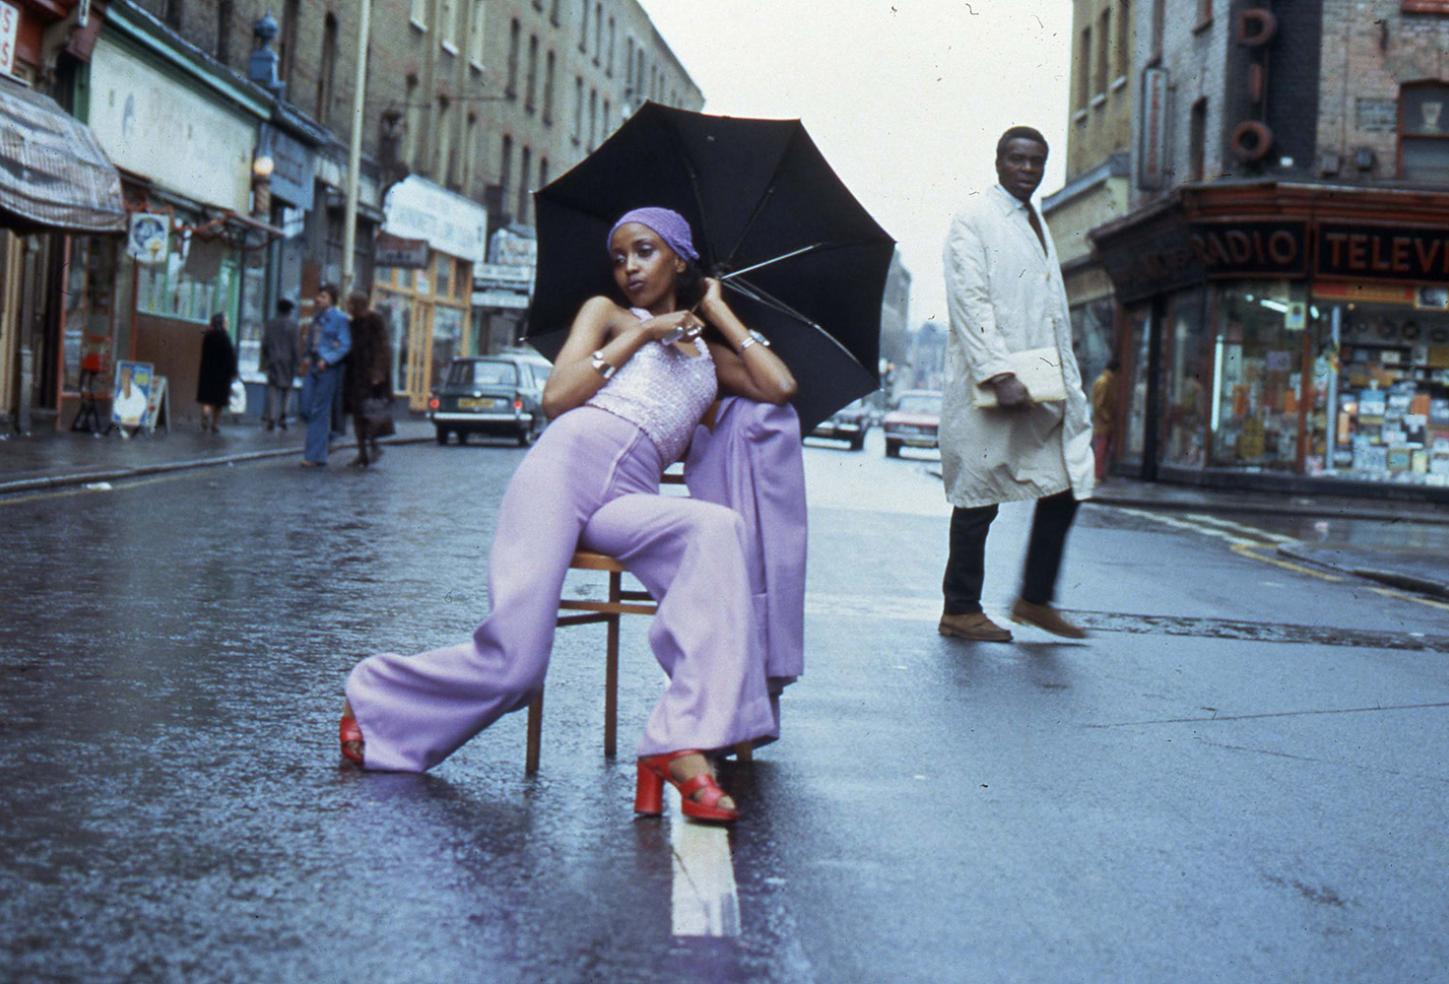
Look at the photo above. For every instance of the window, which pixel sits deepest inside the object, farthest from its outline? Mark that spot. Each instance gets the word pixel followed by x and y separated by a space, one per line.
pixel 475 34
pixel 524 163
pixel 548 74
pixel 1197 141
pixel 505 169
pixel 531 88
pixel 224 14
pixel 1104 49
pixel 608 127
pixel 443 164
pixel 1084 69
pixel 553 13
pixel 173 12
pixel 598 32
pixel 593 118
pixel 291 14
pixel 1204 12
pixel 609 54
pixel 578 109
pixel 1159 15
pixel 1424 131
pixel 419 14
pixel 542 171
pixel 1426 6
pixel 515 32
pixel 326 68
pixel 414 120
pixel 629 65
pixel 467 157
pixel 584 25
pixel 1124 39
pixel 448 15
pixel 639 90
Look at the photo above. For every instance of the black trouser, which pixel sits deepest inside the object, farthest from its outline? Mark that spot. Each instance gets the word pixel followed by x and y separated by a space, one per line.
pixel 966 568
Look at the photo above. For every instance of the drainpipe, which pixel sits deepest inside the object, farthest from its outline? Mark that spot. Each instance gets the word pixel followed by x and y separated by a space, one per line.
pixel 354 150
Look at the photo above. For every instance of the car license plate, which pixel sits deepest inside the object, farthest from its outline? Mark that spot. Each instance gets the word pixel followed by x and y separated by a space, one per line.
pixel 475 403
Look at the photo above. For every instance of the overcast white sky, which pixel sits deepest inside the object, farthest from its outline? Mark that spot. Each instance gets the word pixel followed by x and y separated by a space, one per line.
pixel 905 97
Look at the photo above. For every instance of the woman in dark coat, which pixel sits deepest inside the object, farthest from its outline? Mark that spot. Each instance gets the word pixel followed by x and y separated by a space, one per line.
pixel 369 377
pixel 218 369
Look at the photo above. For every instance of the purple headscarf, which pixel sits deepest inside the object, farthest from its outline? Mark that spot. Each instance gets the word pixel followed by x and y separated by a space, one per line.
pixel 671 227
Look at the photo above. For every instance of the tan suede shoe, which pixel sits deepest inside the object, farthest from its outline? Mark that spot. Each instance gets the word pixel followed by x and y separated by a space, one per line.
pixel 975 626
pixel 1047 618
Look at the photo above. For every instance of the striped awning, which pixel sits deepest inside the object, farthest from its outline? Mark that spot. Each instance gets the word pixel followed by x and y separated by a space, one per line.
pixel 53 174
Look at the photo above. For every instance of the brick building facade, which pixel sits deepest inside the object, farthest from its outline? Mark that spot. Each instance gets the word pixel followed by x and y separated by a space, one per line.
pixel 1284 304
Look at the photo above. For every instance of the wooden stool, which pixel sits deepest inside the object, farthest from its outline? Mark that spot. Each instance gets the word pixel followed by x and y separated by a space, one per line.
pixel 619 602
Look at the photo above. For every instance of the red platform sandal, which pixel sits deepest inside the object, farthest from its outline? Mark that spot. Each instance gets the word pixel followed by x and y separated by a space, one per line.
pixel 654 773
pixel 349 732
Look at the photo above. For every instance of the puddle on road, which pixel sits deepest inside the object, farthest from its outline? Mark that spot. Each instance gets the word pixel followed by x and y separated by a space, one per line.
pixel 1222 628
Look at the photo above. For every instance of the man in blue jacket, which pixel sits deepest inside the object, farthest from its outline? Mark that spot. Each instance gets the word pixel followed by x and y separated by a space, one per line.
pixel 328 344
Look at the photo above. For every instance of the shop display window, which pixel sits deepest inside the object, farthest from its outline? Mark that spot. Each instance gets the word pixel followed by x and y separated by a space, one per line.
pixel 1258 373
pixel 1138 328
pixel 1185 404
pixel 198 278
pixel 1092 333
pixel 1392 416
pixel 89 305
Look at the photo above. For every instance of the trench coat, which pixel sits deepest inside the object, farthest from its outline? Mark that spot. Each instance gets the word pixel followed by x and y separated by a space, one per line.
pixel 370 359
pixel 1006 295
pixel 218 369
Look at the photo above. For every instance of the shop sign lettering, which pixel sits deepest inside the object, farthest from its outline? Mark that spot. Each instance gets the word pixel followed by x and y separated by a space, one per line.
pixel 9 34
pixel 1251 248
pixel 1387 253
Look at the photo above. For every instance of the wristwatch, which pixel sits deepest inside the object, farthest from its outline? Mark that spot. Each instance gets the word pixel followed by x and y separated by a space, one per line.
pixel 751 339
pixel 601 365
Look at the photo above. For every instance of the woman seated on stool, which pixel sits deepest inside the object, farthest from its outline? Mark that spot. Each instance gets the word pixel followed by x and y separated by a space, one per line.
pixel 627 390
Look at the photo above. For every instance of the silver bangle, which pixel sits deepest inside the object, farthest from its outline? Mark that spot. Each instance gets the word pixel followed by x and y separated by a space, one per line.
pixel 601 365
pixel 751 339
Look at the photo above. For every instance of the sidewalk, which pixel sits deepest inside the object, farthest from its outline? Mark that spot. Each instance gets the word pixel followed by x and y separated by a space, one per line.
pixel 1412 553
pixel 58 459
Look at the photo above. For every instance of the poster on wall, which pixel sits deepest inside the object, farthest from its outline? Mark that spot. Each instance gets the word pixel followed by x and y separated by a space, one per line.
pixel 132 393
pixel 147 240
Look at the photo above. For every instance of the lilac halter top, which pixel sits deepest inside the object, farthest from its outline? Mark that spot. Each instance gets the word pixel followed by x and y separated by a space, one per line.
pixel 662 391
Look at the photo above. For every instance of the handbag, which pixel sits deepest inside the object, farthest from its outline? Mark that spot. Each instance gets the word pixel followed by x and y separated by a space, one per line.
pixel 237 405
pixel 377 413
pixel 1039 370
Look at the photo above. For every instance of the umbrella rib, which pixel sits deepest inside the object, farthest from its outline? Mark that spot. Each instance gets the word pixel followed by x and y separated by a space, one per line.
pixel 693 172
pixel 755 293
pixel 764 199
pixel 764 263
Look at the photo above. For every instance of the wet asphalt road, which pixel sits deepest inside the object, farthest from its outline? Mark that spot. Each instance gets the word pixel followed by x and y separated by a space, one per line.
pixel 1239 776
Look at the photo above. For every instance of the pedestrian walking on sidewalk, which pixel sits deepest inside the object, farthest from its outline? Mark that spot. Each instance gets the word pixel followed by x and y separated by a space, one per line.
pixel 1104 416
pixel 218 369
pixel 280 352
pixel 368 383
pixel 329 341
pixel 999 444
pixel 630 385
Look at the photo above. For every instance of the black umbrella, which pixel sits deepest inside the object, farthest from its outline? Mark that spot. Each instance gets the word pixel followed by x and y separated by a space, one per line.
pixel 805 263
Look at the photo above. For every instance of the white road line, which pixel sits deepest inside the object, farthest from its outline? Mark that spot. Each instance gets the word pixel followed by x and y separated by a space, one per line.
pixel 704 898
pixel 1243 528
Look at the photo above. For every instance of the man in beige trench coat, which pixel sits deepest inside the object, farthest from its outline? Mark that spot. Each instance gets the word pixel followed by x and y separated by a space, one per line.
pixel 1005 292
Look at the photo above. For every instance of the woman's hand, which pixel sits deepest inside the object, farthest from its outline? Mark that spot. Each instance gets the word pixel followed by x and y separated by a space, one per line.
pixel 662 326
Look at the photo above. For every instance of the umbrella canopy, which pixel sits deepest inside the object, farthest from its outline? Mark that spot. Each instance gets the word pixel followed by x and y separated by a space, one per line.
pixel 802 260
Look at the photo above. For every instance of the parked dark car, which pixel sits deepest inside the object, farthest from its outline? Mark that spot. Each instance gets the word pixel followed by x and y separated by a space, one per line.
pixel 850 423
pixel 497 395
pixel 913 423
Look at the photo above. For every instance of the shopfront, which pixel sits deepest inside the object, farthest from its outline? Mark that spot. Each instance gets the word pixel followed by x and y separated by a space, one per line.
pixel 1278 333
pixel 432 239
pixel 55 182
pixel 185 139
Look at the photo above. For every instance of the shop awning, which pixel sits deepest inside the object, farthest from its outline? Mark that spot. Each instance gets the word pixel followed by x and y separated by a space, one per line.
pixel 53 174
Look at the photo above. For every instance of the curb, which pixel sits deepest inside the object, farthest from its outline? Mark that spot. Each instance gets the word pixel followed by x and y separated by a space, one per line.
pixel 47 482
pixel 1394 579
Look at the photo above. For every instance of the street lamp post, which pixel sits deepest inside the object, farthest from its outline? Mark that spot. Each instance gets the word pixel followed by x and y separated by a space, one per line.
pixel 354 150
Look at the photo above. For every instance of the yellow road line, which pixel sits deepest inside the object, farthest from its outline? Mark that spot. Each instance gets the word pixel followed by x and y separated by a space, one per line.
pixel 1405 596
pixel 1246 550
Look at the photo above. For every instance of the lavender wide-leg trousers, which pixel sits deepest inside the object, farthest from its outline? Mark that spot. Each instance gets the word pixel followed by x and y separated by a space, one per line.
pixel 592 480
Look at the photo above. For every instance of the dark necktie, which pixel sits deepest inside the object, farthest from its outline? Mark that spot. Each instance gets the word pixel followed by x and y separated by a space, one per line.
pixel 1035 225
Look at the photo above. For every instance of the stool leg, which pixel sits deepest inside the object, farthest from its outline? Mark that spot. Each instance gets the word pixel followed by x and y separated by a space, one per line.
pixel 535 731
pixel 745 752
pixel 611 671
